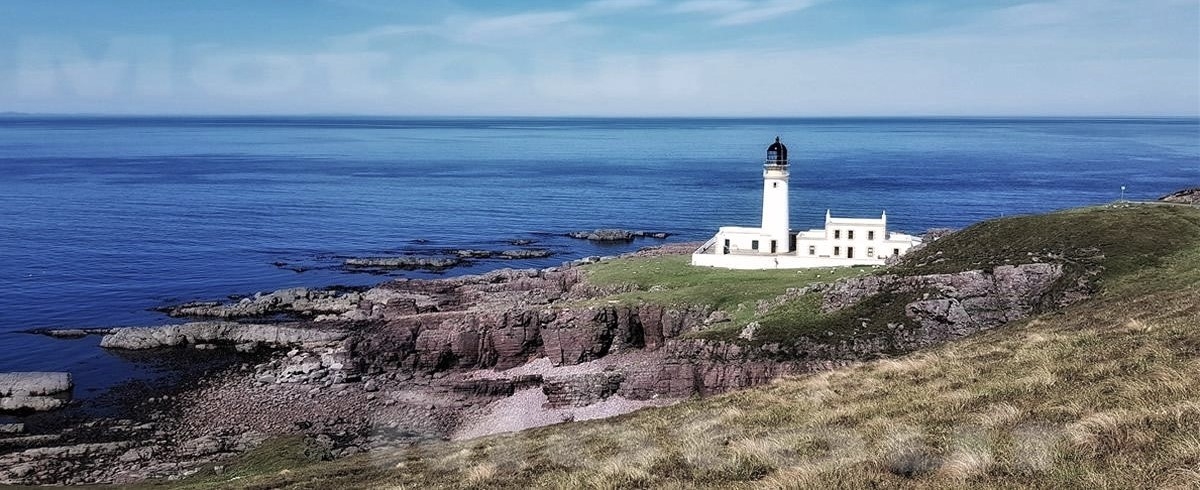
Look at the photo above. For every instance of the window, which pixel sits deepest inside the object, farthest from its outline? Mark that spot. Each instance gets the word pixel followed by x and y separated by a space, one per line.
pixel 774 184
pixel 895 251
pixel 837 251
pixel 870 251
pixel 812 250
pixel 837 234
pixel 849 252
pixel 871 235
pixel 773 246
pixel 849 234
pixel 754 244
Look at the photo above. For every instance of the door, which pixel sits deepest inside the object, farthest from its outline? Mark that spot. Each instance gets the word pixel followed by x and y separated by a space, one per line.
pixel 849 252
pixel 773 246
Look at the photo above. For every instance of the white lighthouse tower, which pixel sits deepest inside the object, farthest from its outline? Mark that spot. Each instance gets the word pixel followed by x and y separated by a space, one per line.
pixel 775 199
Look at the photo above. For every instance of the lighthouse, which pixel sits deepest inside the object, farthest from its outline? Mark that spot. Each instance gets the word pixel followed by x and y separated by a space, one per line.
pixel 775 198
pixel 773 245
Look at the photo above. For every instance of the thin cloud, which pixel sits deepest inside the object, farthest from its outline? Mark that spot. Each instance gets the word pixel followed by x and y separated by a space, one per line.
pixel 608 6
pixel 516 25
pixel 742 12
pixel 769 10
pixel 475 30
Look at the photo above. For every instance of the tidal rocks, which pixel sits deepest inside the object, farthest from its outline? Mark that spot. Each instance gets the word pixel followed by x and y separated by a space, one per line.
pixel 34 391
pixel 474 254
pixel 137 338
pixel 298 301
pixel 405 262
pixel 502 254
pixel 615 235
pixel 1186 196
pixel 525 254
pixel 70 333
pixel 408 262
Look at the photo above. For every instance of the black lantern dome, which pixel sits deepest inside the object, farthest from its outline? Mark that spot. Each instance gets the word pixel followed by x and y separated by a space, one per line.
pixel 777 153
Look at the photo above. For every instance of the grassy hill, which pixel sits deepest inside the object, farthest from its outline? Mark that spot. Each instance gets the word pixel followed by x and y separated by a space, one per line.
pixel 1101 394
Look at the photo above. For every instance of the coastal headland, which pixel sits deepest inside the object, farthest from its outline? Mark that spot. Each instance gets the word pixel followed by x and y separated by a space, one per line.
pixel 396 381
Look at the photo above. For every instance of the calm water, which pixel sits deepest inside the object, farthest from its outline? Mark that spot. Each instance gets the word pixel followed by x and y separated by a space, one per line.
pixel 102 219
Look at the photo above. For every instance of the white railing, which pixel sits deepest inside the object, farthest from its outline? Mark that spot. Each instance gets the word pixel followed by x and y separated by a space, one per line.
pixel 712 242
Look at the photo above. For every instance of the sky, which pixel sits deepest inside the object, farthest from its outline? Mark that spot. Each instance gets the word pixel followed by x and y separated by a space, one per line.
pixel 737 58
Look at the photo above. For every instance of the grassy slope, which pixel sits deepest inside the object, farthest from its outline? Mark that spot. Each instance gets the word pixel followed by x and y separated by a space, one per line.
pixel 1100 394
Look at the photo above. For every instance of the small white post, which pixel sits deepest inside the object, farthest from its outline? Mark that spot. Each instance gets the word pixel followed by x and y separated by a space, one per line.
pixel 1122 193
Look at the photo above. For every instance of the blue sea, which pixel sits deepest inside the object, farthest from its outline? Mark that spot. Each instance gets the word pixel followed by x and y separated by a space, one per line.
pixel 104 218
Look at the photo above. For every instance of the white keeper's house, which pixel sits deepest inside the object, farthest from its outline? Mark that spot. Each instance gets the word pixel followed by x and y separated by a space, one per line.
pixel 774 245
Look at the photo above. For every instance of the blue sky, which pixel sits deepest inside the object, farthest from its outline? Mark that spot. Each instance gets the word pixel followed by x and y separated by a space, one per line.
pixel 602 57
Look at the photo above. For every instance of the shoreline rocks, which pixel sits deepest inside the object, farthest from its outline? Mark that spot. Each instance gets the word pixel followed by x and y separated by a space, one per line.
pixel 34 391
pixel 1186 196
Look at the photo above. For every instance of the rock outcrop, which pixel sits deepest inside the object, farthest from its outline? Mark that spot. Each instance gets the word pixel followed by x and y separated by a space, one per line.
pixel 275 335
pixel 297 301
pixel 968 299
pixel 34 391
pixel 1186 196
pixel 581 390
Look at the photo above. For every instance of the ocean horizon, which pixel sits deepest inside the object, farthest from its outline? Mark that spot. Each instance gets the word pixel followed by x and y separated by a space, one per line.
pixel 109 217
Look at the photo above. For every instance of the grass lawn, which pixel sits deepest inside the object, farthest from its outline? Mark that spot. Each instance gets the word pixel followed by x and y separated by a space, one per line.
pixel 672 280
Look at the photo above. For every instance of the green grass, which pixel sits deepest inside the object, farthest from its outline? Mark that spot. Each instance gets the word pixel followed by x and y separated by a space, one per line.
pixel 672 280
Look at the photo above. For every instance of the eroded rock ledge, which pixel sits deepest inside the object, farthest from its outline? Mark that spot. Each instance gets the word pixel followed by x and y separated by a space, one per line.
pixel 241 334
pixel 34 391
